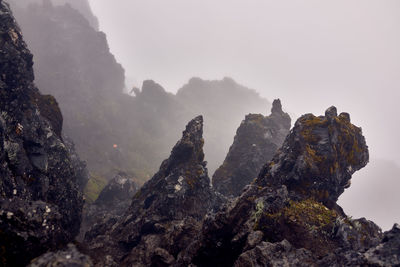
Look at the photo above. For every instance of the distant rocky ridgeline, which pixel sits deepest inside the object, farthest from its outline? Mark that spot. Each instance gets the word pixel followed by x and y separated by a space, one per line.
pixel 113 131
pixel 82 5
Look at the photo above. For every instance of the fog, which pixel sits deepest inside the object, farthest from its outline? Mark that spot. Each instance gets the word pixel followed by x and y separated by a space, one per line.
pixel 312 54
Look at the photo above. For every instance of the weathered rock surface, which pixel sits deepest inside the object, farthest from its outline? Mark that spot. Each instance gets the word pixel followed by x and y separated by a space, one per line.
pixel 68 257
pixel 318 157
pixel 166 213
pixel 256 141
pixel 82 173
pixel 289 215
pixel 40 204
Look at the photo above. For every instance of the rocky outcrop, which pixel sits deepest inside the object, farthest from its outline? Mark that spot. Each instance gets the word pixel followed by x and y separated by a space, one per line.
pixel 67 257
pixel 166 213
pixel 291 208
pixel 120 189
pixel 111 204
pixel 256 141
pixel 318 158
pixel 82 173
pixel 40 204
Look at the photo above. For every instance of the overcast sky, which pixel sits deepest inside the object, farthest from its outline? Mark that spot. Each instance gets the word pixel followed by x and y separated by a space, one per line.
pixel 310 53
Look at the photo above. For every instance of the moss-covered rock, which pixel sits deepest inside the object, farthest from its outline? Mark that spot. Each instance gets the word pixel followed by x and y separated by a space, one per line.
pixel 318 158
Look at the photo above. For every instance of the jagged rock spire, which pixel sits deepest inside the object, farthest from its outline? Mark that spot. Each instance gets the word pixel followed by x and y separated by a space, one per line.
pixel 276 107
pixel 173 201
pixel 256 141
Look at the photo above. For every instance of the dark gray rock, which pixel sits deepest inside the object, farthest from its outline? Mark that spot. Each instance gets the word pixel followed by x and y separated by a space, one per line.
pixel 82 173
pixel 111 204
pixel 40 204
pixel 281 254
pixel 68 257
pixel 256 142
pixel 387 253
pixel 318 158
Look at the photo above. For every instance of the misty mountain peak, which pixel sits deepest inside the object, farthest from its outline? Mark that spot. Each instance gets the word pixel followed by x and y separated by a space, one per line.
pixel 152 89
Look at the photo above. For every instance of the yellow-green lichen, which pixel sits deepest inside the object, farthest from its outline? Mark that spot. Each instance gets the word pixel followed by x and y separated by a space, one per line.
pixel 309 213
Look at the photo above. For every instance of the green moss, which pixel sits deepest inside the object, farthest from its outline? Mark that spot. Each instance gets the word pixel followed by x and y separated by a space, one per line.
pixel 313 156
pixel 94 186
pixel 310 213
pixel 314 121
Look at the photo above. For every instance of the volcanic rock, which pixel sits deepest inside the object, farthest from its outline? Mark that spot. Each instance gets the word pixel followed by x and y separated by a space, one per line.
pixel 291 208
pixel 318 158
pixel 256 141
pixel 67 257
pixel 166 213
pixel 111 204
pixel 40 204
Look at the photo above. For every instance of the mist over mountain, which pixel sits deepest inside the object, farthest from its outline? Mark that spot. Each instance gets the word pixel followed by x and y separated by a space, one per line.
pixel 82 5
pixel 112 130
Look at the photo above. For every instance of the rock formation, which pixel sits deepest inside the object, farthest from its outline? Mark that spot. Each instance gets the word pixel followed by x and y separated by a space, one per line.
pixel 289 215
pixel 318 157
pixel 166 212
pixel 112 202
pixel 67 257
pixel 40 204
pixel 256 141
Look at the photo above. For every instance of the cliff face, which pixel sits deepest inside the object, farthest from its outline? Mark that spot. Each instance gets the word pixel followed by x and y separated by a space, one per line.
pixel 40 204
pixel 165 213
pixel 256 141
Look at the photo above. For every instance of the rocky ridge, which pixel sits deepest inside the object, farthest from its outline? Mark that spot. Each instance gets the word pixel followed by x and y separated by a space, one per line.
pixel 256 141
pixel 40 203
